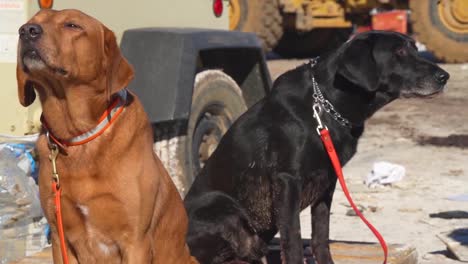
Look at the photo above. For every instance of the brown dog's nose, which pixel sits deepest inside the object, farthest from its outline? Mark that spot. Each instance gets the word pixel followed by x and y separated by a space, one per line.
pixel 30 32
pixel 442 77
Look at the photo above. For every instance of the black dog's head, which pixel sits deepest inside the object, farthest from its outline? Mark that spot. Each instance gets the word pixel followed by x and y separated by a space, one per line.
pixel 388 64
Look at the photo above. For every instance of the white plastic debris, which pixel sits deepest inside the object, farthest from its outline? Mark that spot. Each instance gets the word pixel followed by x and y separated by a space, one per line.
pixel 21 231
pixel 384 173
pixel 420 46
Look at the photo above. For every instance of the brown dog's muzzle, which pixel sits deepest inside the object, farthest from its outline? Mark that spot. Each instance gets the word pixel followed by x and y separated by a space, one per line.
pixel 30 32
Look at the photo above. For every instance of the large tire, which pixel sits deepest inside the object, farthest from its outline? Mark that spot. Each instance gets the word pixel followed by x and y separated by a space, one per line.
pixel 216 103
pixel 443 27
pixel 262 17
pixel 313 43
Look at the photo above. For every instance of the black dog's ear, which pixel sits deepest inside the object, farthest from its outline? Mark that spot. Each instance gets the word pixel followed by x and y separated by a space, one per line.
pixel 357 64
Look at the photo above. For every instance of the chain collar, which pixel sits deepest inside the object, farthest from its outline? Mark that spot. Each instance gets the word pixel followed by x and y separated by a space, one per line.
pixel 324 104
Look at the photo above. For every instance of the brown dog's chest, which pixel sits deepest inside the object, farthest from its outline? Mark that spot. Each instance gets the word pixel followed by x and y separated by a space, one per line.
pixel 92 224
pixel 93 215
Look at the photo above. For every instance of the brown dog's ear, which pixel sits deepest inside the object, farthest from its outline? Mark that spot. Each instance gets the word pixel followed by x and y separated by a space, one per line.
pixel 26 92
pixel 119 71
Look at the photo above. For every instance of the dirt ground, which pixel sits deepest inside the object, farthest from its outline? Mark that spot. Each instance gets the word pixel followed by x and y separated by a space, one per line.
pixel 430 139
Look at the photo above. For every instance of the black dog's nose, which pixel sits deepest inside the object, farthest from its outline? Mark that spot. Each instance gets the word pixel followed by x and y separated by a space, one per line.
pixel 30 32
pixel 442 77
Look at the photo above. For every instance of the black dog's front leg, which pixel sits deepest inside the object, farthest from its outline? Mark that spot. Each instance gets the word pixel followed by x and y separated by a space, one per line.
pixel 287 202
pixel 321 229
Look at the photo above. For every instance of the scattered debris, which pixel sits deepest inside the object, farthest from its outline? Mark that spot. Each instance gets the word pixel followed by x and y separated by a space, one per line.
pixel 453 140
pixel 351 212
pixel 362 208
pixel 454 172
pixel 451 215
pixel 373 208
pixel 456 242
pixel 384 173
pixel 439 256
pixel 409 210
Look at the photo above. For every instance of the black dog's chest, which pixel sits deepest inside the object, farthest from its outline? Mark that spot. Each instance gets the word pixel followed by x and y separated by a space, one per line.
pixel 318 183
pixel 317 173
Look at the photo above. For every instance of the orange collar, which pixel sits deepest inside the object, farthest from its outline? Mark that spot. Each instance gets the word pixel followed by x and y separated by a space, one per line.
pixel 107 118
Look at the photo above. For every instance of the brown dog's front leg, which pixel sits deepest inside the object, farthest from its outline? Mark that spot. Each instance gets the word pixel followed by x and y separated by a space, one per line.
pixel 287 203
pixel 138 252
pixel 321 229
pixel 56 252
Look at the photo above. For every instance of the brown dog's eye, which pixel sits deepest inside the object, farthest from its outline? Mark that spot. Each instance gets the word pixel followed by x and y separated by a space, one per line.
pixel 72 25
pixel 401 51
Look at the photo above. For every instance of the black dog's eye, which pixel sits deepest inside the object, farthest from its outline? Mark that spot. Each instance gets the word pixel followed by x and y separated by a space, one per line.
pixel 72 25
pixel 402 51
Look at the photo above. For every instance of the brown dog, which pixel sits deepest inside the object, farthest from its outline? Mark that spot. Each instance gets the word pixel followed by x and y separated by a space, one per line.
pixel 119 203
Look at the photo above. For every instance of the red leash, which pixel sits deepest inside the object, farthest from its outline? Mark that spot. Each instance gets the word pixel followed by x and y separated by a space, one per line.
pixel 58 212
pixel 54 150
pixel 328 144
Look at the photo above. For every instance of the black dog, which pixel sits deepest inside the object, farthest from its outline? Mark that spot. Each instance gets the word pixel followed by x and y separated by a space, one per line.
pixel 271 164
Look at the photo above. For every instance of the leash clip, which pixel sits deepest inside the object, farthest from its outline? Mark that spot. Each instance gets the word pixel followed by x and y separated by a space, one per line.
pixel 317 110
pixel 54 151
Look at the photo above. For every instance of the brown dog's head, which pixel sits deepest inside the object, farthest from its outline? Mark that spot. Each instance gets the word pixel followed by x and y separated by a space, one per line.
pixel 62 49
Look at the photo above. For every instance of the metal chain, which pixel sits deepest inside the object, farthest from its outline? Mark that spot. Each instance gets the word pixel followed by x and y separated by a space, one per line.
pixel 326 105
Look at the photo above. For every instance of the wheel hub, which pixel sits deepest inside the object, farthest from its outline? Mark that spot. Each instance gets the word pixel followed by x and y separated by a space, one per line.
pixel 454 15
pixel 209 143
pixel 460 10
pixel 210 129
